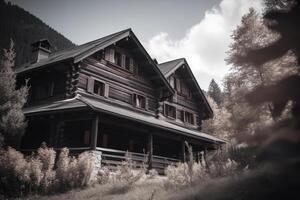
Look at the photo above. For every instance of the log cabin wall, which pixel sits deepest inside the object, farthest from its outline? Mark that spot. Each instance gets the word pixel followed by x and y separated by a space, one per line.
pixel 122 86
pixel 188 106
pixel 45 85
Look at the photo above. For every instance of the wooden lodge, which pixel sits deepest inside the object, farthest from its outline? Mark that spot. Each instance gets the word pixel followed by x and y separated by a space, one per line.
pixel 109 96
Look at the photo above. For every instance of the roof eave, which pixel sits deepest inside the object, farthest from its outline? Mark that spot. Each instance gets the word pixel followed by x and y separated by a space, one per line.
pixel 43 66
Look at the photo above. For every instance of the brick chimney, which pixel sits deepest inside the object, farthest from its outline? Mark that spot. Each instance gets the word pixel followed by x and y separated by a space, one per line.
pixel 40 50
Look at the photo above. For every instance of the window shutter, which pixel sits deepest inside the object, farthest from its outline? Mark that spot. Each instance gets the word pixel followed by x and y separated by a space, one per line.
pixel 178 86
pixel 112 55
pixel 146 103
pixel 131 65
pixel 195 119
pixel 133 99
pixel 106 90
pixel 90 85
pixel 123 61
pixel 107 54
pixel 182 116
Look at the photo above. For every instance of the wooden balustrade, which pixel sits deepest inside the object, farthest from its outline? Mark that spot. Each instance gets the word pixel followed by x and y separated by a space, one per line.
pixel 113 158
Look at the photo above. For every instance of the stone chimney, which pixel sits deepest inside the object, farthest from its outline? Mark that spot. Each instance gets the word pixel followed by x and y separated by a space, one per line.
pixel 40 50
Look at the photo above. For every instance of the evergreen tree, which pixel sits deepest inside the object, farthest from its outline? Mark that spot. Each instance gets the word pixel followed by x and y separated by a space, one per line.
pixel 245 77
pixel 215 92
pixel 12 119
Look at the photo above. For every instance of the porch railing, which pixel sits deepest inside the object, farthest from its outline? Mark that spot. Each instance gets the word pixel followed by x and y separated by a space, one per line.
pixel 113 158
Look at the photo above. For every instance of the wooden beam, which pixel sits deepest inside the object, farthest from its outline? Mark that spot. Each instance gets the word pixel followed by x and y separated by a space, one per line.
pixel 94 132
pixel 183 151
pixel 150 150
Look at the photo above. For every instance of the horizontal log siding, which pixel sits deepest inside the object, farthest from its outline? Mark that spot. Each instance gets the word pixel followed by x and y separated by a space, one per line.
pixel 121 84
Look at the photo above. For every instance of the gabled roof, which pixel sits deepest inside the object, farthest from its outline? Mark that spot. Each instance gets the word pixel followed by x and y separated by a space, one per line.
pixel 78 53
pixel 80 102
pixel 167 68
pixel 74 52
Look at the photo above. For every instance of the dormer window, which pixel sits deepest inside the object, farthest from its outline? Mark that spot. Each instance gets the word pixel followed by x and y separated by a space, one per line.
pixel 139 101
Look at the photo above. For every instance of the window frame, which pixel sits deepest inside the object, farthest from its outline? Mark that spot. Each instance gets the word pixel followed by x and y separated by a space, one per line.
pixel 166 111
pixel 123 61
pixel 91 86
pixel 135 98
pixel 189 115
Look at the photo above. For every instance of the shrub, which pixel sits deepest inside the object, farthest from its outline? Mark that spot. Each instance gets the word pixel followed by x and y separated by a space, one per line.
pixel 152 173
pixel 187 173
pixel 103 175
pixel 37 174
pixel 72 172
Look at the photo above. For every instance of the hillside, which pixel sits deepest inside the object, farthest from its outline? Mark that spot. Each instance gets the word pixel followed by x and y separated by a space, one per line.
pixel 24 28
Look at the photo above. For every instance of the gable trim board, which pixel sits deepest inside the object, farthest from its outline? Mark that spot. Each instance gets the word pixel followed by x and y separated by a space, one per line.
pixel 81 102
pixel 173 65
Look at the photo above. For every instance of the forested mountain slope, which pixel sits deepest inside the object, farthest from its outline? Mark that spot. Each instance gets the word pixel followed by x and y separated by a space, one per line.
pixel 24 28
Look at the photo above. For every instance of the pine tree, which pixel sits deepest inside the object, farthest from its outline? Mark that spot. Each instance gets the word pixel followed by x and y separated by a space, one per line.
pixel 215 92
pixel 12 119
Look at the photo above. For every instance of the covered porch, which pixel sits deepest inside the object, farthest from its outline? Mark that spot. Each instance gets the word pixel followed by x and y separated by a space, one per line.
pixel 146 140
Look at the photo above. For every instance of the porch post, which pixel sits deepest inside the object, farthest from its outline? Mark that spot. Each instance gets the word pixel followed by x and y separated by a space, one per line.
pixel 205 156
pixel 94 133
pixel 183 151
pixel 150 150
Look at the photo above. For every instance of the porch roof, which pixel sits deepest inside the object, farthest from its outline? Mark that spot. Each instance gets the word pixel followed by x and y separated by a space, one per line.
pixel 85 102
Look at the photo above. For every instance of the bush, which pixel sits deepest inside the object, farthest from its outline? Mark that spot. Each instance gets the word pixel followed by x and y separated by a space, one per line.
pixel 36 173
pixel 127 174
pixel 188 173
pixel 103 175
pixel 72 172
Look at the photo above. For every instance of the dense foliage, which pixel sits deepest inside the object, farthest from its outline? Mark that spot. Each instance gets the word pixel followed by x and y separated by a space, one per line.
pixel 38 174
pixel 24 28
pixel 12 119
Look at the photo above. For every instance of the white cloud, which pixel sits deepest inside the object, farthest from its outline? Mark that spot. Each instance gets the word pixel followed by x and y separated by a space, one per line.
pixel 205 44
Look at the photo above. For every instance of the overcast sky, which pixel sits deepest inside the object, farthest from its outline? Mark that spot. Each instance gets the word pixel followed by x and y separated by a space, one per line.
pixel 198 30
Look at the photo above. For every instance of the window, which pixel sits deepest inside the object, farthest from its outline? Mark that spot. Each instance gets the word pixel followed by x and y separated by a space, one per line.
pixel 170 111
pixel 128 63
pixel 178 85
pixel 182 115
pixel 99 88
pixel 110 55
pixel 139 101
pixel 118 58
pixel 189 117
